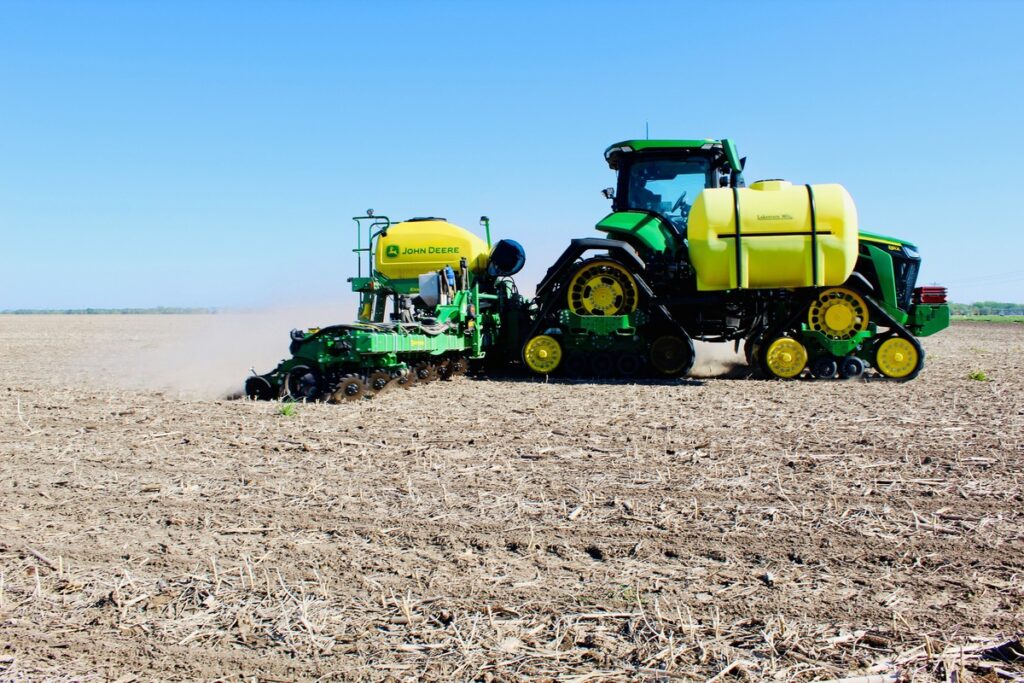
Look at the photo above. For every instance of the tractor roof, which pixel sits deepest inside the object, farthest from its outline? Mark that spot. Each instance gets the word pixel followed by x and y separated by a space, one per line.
pixel 615 151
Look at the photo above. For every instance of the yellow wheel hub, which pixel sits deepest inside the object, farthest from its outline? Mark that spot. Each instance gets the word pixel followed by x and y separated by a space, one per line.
pixel 542 354
pixel 896 357
pixel 602 288
pixel 786 357
pixel 838 313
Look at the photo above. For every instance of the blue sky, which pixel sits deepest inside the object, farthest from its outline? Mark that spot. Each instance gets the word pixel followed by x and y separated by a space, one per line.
pixel 212 154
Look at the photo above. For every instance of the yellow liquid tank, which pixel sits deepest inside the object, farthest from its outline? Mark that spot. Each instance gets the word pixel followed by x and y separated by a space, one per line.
pixel 412 248
pixel 782 242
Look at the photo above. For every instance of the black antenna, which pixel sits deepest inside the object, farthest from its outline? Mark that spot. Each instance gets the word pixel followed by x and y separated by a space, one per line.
pixel 647 129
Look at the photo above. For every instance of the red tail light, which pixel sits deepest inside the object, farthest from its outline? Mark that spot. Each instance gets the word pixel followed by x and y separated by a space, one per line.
pixel 930 295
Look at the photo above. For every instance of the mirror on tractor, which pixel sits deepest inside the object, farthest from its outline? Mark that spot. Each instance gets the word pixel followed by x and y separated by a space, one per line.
pixel 733 156
pixel 608 192
pixel 736 177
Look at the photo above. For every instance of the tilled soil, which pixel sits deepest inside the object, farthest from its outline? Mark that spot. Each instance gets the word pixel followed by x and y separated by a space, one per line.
pixel 512 529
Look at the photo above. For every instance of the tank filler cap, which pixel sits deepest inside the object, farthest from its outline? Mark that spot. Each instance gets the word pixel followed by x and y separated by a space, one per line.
pixel 771 184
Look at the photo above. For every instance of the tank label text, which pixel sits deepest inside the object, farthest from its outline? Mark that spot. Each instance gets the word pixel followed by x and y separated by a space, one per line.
pixel 394 251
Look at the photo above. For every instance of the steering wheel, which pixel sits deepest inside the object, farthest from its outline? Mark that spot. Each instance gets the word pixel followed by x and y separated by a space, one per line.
pixel 679 202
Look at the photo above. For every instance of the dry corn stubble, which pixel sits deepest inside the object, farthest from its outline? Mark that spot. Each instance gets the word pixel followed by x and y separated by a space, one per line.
pixel 472 530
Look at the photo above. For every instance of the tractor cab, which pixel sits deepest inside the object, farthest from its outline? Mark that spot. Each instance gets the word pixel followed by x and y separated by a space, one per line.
pixel 664 177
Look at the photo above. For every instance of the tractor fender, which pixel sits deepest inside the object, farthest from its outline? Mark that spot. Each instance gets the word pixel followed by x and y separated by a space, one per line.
pixel 617 249
pixel 547 290
pixel 859 283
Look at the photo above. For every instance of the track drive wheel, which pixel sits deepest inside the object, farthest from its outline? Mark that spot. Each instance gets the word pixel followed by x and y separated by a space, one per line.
pixel 602 287
pixel 671 355
pixel 898 358
pixel 785 358
pixel 542 354
pixel 838 313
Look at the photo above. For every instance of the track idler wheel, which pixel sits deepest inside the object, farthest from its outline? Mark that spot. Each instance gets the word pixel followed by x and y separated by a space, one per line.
pixel 824 367
pixel 575 364
pixel 629 365
pixel 785 358
pixel 302 383
pixel 898 358
pixel 752 351
pixel 602 287
pixel 542 354
pixel 851 367
pixel 671 355
pixel 602 364
pixel 350 388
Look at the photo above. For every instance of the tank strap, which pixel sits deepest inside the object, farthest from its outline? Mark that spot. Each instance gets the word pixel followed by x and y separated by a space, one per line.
pixel 739 240
pixel 814 237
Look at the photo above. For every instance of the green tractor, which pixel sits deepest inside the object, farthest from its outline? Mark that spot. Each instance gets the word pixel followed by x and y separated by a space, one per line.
pixel 690 253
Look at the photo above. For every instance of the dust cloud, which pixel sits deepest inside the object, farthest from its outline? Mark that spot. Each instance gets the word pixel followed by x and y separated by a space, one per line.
pixel 718 360
pixel 203 356
pixel 209 356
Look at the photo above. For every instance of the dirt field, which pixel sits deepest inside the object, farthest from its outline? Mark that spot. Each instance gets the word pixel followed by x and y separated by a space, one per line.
pixel 472 530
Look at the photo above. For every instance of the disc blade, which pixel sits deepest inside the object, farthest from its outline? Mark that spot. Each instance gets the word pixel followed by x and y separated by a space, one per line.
pixel 351 388
pixel 379 381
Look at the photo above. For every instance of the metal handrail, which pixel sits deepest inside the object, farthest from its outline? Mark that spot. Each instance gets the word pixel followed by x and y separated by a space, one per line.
pixel 383 221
